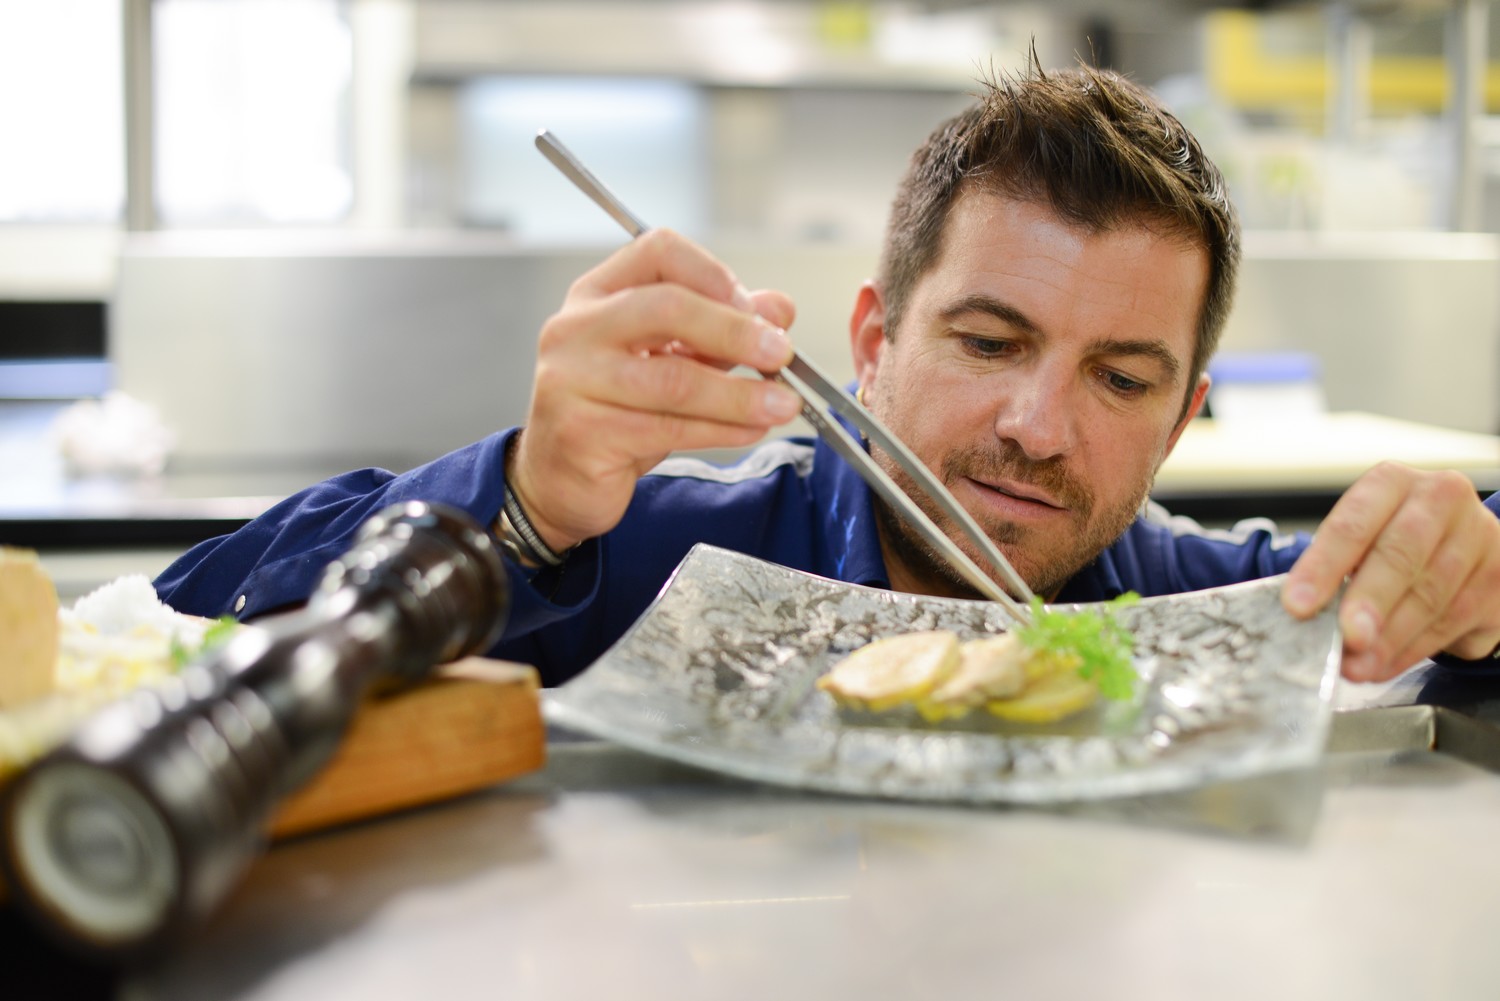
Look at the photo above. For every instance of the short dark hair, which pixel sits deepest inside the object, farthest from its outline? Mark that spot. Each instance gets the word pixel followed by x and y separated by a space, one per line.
pixel 1100 150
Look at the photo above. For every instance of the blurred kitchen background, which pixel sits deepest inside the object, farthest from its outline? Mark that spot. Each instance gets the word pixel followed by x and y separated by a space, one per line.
pixel 306 235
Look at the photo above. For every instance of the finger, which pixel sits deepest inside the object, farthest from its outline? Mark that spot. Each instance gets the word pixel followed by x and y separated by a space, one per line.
pixel 683 387
pixel 661 255
pixel 1396 563
pixel 1470 624
pixel 661 318
pixel 1343 539
pixel 1406 560
pixel 1479 600
pixel 1365 666
pixel 654 317
pixel 776 307
pixel 1421 621
pixel 681 350
pixel 673 433
pixel 637 439
pixel 1378 665
pixel 1479 644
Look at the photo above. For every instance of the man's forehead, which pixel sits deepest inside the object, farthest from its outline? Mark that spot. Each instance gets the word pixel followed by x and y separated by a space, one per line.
pixel 999 250
pixel 974 199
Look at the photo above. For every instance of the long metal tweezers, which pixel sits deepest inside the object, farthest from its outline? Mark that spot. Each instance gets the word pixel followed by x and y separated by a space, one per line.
pixel 821 399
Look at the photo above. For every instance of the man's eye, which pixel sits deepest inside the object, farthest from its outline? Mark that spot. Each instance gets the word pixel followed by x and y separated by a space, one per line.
pixel 987 347
pixel 1123 384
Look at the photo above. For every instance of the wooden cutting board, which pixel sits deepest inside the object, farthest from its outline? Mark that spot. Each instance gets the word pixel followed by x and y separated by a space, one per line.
pixel 476 723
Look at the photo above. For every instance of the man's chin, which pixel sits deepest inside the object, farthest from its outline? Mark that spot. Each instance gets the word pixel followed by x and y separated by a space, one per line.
pixel 1045 573
pixel 926 565
pixel 1045 559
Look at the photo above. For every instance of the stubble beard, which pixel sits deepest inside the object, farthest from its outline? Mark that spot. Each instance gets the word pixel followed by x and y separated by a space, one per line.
pixel 1045 561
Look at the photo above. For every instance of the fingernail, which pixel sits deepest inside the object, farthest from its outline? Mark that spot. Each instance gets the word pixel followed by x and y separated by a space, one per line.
pixel 781 404
pixel 1301 599
pixel 775 350
pixel 1359 631
pixel 741 299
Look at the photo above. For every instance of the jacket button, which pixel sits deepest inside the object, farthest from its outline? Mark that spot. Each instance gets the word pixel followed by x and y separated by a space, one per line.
pixel 239 604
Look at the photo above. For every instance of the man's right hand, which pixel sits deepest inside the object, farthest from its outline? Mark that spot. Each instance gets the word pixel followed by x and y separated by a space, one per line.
pixel 636 365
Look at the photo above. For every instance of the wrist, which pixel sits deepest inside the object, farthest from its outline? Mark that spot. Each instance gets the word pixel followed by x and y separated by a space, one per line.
pixel 513 544
pixel 515 529
pixel 521 541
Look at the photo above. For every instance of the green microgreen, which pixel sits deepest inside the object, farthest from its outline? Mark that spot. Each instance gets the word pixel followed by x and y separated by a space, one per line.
pixel 1093 635
pixel 217 633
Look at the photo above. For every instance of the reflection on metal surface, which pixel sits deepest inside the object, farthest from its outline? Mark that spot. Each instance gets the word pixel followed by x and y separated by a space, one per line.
pixel 1467 739
pixel 1279 808
pixel 1391 728
pixel 1417 728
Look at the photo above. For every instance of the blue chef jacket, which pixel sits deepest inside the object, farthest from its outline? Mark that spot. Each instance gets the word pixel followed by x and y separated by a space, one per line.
pixel 792 502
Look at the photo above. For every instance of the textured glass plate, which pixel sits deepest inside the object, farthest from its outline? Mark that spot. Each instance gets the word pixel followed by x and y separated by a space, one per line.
pixel 720 673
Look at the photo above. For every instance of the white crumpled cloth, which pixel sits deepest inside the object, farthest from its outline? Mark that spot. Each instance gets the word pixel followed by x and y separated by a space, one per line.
pixel 117 435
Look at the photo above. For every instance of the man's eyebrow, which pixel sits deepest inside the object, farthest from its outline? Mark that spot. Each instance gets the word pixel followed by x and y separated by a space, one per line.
pixel 1002 311
pixel 1155 350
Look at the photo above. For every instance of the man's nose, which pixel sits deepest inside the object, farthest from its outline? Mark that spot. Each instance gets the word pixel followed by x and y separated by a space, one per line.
pixel 1039 417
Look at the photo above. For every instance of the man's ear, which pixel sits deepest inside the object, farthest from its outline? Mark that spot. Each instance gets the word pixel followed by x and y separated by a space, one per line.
pixel 1200 393
pixel 867 333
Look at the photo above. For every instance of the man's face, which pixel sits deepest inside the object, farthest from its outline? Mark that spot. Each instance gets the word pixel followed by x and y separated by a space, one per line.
pixel 1040 371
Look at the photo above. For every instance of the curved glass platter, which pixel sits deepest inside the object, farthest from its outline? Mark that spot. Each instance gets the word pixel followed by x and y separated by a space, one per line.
pixel 720 673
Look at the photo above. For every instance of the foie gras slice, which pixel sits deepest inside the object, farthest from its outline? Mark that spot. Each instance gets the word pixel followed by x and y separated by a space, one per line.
pixel 893 670
pixel 28 627
pixel 989 668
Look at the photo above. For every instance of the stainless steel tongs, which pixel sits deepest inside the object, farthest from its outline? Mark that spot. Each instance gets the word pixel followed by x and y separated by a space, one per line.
pixel 821 399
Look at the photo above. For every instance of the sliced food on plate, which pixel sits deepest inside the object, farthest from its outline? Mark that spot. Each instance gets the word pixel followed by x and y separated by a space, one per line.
pixel 1060 664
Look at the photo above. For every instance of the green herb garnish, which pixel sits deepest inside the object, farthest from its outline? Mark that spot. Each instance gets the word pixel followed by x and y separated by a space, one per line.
pixel 1099 642
pixel 215 635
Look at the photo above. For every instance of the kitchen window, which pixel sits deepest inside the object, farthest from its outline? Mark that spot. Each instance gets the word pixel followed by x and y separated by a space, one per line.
pixel 62 122
pixel 253 111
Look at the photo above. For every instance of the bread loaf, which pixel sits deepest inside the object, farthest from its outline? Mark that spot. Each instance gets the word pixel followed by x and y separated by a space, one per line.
pixel 28 627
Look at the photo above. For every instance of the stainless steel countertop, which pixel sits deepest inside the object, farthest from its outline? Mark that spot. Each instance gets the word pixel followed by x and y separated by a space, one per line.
pixel 611 874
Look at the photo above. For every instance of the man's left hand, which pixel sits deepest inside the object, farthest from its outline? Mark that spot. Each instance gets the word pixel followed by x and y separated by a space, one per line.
pixel 1422 555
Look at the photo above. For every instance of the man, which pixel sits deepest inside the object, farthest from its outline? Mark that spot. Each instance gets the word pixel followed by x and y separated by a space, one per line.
pixel 1059 263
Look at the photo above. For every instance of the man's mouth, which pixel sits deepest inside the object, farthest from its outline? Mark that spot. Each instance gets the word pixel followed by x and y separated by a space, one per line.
pixel 1021 492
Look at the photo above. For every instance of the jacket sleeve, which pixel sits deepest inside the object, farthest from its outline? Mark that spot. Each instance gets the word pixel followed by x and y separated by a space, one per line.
pixel 275 561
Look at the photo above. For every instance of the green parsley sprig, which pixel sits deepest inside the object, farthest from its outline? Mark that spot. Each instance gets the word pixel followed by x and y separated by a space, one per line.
pixel 1102 645
pixel 215 635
